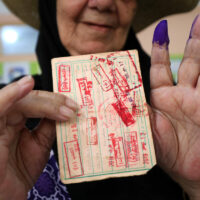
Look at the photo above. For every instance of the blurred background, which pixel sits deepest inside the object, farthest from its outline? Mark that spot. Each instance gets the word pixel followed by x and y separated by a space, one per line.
pixel 18 42
pixel 17 47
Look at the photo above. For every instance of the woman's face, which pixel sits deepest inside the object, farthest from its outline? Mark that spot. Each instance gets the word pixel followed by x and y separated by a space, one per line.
pixel 92 26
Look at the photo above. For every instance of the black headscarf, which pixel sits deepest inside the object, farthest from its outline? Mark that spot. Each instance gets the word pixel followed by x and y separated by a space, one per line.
pixel 49 45
pixel 153 186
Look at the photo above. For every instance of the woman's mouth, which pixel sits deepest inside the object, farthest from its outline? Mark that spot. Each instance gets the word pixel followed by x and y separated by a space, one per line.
pixel 98 27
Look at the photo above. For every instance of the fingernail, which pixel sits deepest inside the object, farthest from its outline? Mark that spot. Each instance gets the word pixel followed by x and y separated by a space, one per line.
pixel 66 112
pixel 23 81
pixel 190 36
pixel 161 34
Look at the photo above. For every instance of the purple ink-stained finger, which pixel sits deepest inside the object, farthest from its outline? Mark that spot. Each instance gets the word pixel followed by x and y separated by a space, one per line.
pixel 190 36
pixel 161 34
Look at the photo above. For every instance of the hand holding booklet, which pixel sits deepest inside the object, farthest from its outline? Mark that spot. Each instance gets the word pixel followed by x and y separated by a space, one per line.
pixel 110 136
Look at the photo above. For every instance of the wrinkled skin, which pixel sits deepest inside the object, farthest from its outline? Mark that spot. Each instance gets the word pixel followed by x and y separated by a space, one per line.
pixel 23 153
pixel 93 26
pixel 175 114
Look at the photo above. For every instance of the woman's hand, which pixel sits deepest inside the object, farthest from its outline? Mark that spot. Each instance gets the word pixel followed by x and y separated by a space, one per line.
pixel 23 154
pixel 176 110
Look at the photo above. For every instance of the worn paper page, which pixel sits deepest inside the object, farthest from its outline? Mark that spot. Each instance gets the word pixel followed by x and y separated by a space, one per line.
pixel 110 135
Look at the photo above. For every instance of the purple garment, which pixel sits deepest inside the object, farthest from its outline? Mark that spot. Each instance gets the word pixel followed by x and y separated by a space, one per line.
pixel 49 186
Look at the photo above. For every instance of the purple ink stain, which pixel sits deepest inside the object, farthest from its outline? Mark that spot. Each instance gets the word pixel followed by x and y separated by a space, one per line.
pixel 190 36
pixel 161 34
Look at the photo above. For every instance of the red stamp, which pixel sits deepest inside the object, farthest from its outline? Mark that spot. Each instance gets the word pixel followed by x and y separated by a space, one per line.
pixel 107 59
pixel 136 71
pixel 73 158
pixel 102 78
pixel 74 128
pixel 124 113
pixel 92 137
pixel 85 90
pixel 64 78
pixel 143 138
pixel 120 80
pixel 137 111
pixel 132 148
pixel 145 158
pixel 116 148
pixel 138 107
pixel 112 117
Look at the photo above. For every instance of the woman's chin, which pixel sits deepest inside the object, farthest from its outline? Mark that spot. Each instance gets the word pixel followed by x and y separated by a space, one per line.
pixel 97 47
pixel 91 48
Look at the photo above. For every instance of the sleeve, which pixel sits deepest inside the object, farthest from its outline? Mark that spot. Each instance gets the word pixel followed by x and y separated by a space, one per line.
pixel 2 85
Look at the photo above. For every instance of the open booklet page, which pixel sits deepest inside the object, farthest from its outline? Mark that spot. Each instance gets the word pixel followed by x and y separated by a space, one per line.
pixel 110 136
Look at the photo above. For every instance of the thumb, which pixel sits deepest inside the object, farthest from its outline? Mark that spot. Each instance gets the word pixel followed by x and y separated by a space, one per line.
pixel 38 144
pixel 14 92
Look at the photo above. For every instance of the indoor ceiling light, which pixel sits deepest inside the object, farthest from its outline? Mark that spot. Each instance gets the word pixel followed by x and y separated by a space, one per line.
pixel 9 35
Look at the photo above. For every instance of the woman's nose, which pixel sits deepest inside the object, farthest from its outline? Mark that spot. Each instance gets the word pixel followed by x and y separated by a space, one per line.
pixel 102 5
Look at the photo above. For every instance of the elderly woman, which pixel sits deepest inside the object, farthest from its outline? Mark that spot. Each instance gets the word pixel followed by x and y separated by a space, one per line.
pixel 89 26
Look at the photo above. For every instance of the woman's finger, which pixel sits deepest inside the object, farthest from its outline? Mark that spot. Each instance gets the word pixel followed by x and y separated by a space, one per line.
pixel 14 92
pixel 43 104
pixel 160 72
pixel 190 67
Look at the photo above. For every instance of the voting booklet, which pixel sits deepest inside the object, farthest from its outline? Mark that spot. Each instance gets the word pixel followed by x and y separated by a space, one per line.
pixel 110 136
